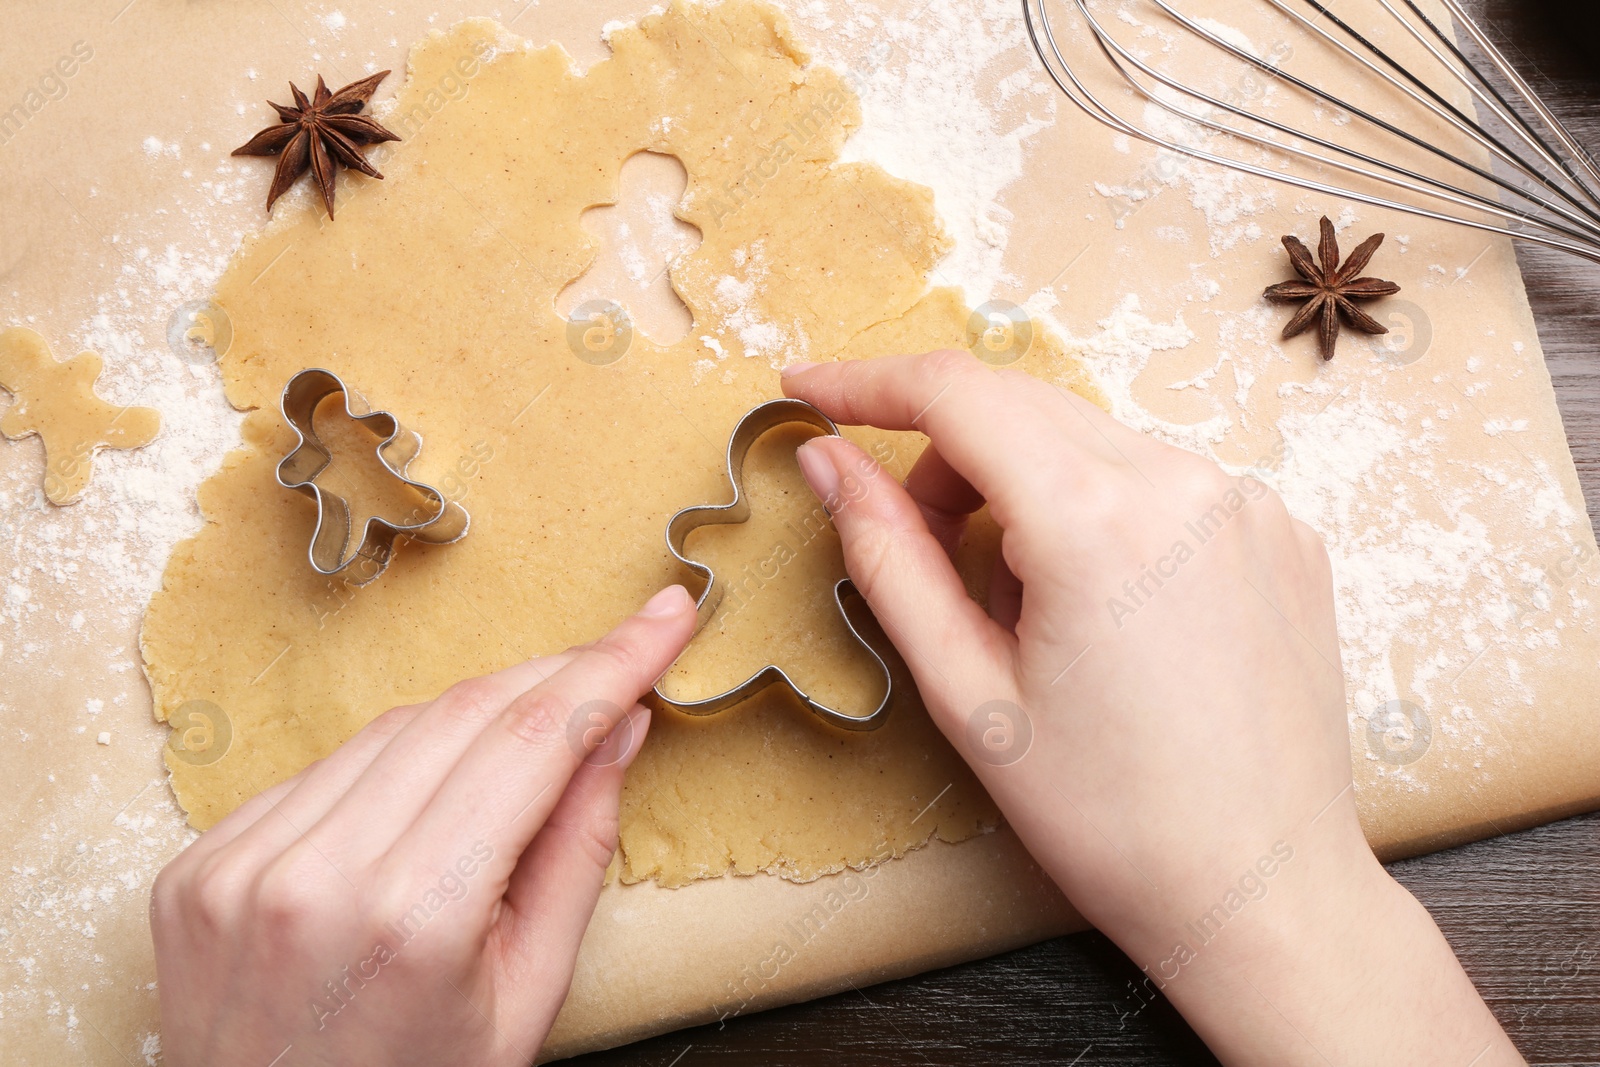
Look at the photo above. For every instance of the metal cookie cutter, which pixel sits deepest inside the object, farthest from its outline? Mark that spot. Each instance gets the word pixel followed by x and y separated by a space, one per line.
pixel 331 550
pixel 755 424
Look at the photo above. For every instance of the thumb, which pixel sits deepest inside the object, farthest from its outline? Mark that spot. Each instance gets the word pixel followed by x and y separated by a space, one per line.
pixel 953 649
pixel 552 893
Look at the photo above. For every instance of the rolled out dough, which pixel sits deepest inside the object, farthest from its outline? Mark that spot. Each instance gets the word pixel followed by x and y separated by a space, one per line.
pixel 434 294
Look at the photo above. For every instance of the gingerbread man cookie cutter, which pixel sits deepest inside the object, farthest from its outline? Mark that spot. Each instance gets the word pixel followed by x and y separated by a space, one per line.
pixel 331 552
pixel 756 424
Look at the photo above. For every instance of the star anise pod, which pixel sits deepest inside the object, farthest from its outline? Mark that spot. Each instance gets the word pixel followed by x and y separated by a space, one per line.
pixel 319 134
pixel 1329 290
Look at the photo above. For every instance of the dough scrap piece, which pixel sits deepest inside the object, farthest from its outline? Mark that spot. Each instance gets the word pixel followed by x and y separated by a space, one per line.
pixel 436 292
pixel 57 401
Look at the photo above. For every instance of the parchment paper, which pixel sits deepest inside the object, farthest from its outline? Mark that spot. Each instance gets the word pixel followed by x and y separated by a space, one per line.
pixel 113 178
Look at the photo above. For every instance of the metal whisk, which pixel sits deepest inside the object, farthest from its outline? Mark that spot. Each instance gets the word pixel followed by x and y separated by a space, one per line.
pixel 1481 163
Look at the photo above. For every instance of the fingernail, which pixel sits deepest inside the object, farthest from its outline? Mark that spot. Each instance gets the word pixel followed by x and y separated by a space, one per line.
pixel 638 726
pixel 628 733
pixel 795 368
pixel 670 601
pixel 819 472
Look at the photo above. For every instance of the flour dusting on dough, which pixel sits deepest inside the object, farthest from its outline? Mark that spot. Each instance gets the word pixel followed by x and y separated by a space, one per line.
pixel 758 337
pixel 929 116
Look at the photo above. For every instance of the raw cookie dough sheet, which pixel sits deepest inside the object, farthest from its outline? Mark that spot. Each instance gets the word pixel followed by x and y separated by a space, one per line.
pixel 1440 477
pixel 436 293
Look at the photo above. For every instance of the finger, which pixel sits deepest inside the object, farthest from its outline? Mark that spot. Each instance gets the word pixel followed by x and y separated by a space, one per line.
pixel 1004 434
pixel 1005 595
pixel 288 821
pixel 945 497
pixel 358 800
pixel 377 806
pixel 507 782
pixel 242 818
pixel 553 889
pixel 905 575
pixel 1311 543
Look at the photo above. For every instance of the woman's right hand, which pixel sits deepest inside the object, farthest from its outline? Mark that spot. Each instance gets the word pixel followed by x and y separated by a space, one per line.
pixel 1154 699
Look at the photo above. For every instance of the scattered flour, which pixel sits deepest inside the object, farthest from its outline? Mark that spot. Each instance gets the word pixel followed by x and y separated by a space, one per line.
pixel 1414 566
pixel 88 570
pixel 1120 352
pixel 1410 563
pixel 735 303
pixel 928 116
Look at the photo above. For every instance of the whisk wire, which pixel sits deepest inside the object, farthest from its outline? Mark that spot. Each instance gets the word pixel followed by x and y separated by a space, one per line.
pixel 1467 127
pixel 1557 211
pixel 1509 71
pixel 1401 177
pixel 1488 95
pixel 1431 99
pixel 1097 110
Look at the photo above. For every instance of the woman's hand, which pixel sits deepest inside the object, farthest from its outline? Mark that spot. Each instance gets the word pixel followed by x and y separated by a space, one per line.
pixel 1154 698
pixel 417 897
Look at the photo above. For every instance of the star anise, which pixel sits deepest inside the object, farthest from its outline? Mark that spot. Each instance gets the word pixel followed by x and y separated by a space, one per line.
pixel 319 134
pixel 1329 290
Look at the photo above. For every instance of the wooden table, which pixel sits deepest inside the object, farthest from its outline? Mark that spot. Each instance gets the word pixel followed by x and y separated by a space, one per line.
pixel 1522 911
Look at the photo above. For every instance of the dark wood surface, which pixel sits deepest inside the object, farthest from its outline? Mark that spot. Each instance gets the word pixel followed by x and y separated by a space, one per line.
pixel 1522 911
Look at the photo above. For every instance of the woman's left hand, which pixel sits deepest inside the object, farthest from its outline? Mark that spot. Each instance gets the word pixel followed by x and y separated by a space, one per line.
pixel 418 897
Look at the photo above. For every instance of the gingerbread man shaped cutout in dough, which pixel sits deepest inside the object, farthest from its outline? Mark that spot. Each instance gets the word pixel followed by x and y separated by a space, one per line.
pixel 57 401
